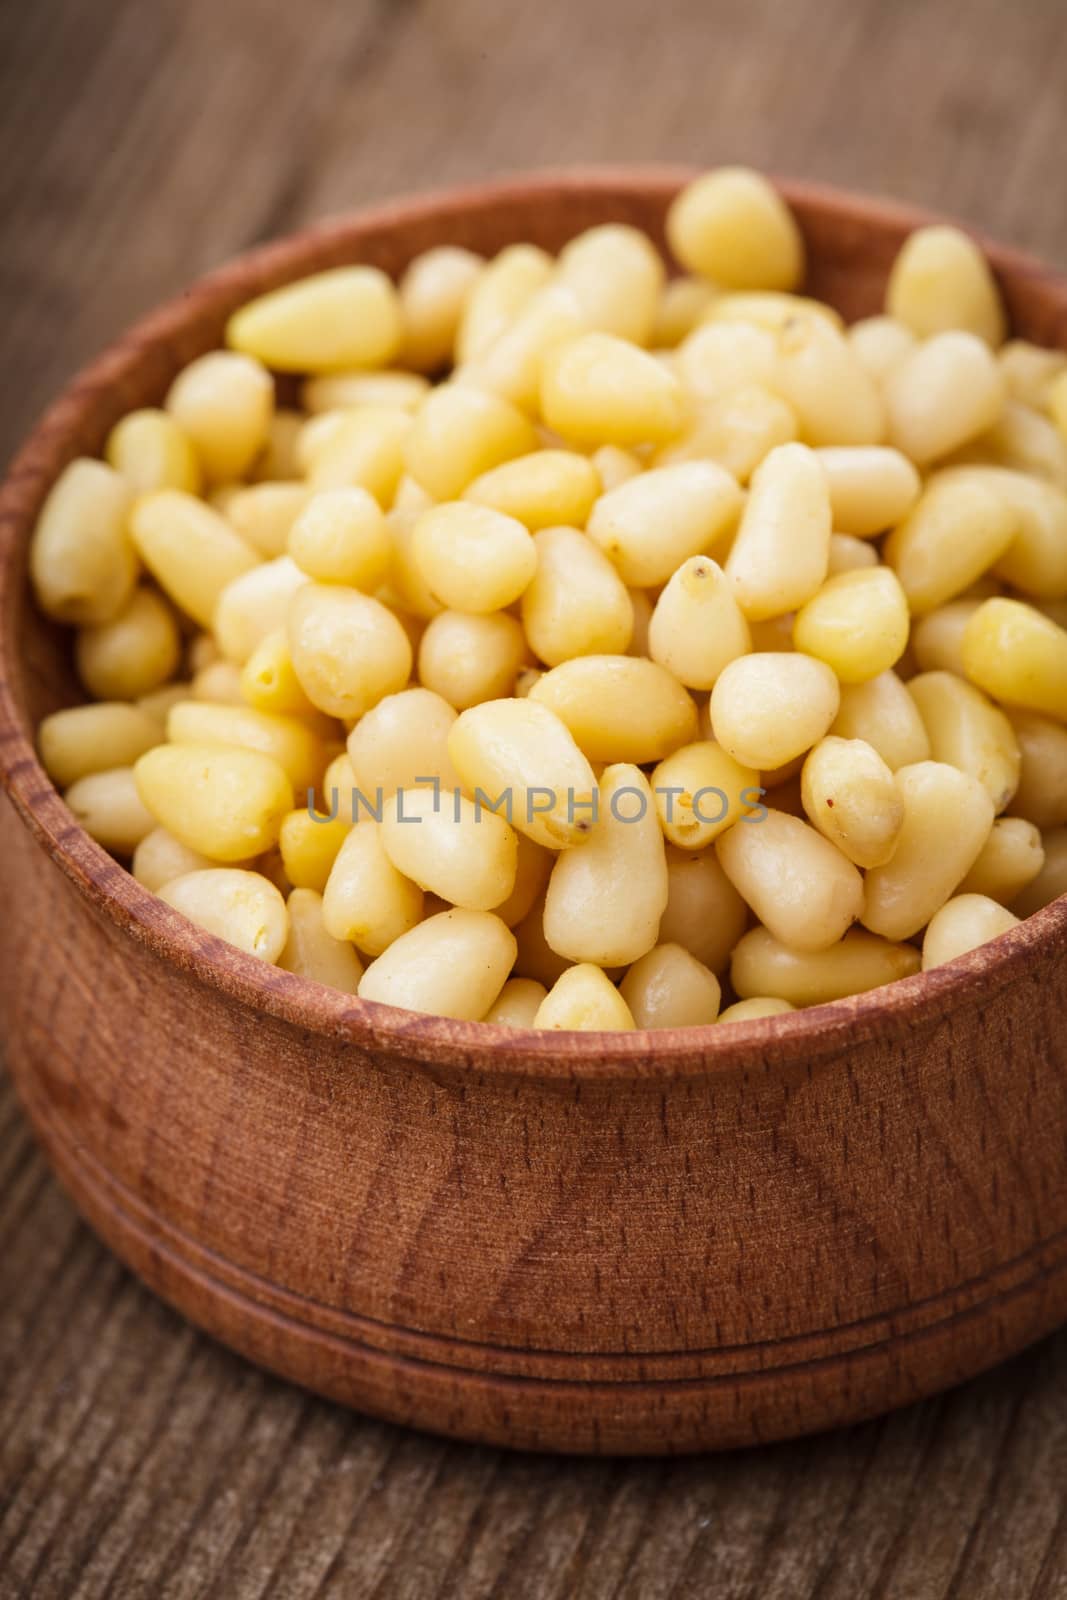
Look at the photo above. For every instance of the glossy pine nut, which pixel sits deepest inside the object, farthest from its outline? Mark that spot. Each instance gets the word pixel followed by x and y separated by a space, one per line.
pixel 311 952
pixel 223 802
pixel 947 819
pixel 95 738
pixel 134 653
pixel 434 291
pixel 720 357
pixel 1011 857
pixel 309 845
pixel 732 227
pixel 619 708
pixel 946 392
pixel 849 554
pixel 650 524
pixel 506 285
pixel 110 809
pixel 605 901
pixel 799 885
pixel 82 562
pixel 1018 656
pixel 348 650
pixel 751 1010
pixel 737 431
pixel 218 683
pixel 160 857
pixel 341 391
pixel 705 914
pixel 264 513
pixel 880 342
pixel 406 581
pixel 451 847
pixel 701 791
pixel 859 961
pixel 697 628
pixel 403 741
pixel 1036 559
pixel 533 863
pixel 522 749
pixel 883 713
pixel 453 965
pixel 366 900
pixel 1041 795
pixel 460 433
pixel 871 488
pixel 511 365
pixel 544 490
pixel 959 528
pixel 835 399
pixel 473 558
pixel 937 639
pixel 617 276
pixel 780 555
pixel 857 623
pixel 254 605
pixel 849 794
pixel 516 1005
pixel 941 280
pixel 584 1000
pixel 277 462
pixel 968 731
pixel 597 389
pixel 244 908
pixel 191 551
pixel 771 309
pixel 668 988
pixel 345 317
pixel 576 604
pixel 467 659
pixel 614 465
pixel 1051 881
pixel 962 924
pixel 293 745
pixel 682 305
pixel 1022 440
pixel 341 536
pixel 365 449
pixel 151 452
pixel 268 679
pixel 223 404
pixel 1030 371
pixel 768 708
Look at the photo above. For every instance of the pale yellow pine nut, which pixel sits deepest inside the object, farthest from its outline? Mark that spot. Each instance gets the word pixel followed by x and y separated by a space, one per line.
pixel 134 653
pixel 941 280
pixel 451 846
pixel 780 556
pixel 619 708
pixel 160 858
pixel 732 226
pixel 348 650
pixel 1017 655
pixel 584 1000
pixel 83 565
pixel 151 452
pixel 223 802
pixel 799 885
pixel 344 317
pixel 883 713
pixel 598 389
pixel 705 914
pixel 849 794
pixel 947 819
pixel 945 393
pixel 223 404
pixel 872 487
pixel 669 988
pixel 650 524
pixel 1011 858
pixel 434 291
pixel 700 791
pixel 524 750
pixel 968 731
pixel 963 923
pixel 111 810
pixel 244 908
pixel 576 604
pixel 468 659
pixel 516 1005
pixel 768 708
pixel 857 623
pixel 857 962
pixel 453 965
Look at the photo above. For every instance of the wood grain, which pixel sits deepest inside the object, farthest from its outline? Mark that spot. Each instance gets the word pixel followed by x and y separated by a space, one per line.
pixel 136 1458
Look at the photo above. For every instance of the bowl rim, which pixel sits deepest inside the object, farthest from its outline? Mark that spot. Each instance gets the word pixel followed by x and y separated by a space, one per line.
pixel 797 1038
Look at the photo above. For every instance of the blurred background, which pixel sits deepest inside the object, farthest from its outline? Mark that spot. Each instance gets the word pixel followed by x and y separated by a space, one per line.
pixel 146 140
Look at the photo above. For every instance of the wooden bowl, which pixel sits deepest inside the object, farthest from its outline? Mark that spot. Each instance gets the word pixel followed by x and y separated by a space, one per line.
pixel 613 1243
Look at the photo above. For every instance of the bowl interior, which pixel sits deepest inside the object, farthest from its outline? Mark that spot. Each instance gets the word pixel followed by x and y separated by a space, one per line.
pixel 851 243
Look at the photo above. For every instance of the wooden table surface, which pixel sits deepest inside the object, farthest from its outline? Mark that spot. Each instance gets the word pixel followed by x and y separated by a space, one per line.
pixel 142 142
